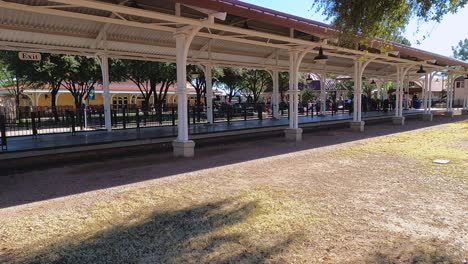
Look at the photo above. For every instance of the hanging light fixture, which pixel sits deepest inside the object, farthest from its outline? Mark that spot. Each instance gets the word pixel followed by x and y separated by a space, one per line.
pixel 321 56
pixel 421 70
pixel 309 79
pixel 373 82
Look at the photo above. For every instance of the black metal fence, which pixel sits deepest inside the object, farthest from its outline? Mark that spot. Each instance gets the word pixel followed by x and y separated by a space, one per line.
pixel 33 122
pixel 37 121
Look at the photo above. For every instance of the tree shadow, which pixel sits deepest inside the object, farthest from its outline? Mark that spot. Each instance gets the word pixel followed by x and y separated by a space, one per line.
pixel 199 234
pixel 420 251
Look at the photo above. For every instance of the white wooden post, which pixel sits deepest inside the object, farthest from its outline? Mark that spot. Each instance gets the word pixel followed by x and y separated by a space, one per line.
pixel 182 146
pixel 323 93
pixel 209 93
pixel 104 60
pixel 275 96
pixel 465 101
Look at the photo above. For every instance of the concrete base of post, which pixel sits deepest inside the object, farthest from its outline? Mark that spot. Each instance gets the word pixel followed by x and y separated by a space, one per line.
pixel 427 116
pixel 293 134
pixel 448 113
pixel 357 126
pixel 464 112
pixel 183 149
pixel 398 120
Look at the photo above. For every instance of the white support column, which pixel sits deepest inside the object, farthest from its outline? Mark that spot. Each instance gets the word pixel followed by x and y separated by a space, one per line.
pixel 424 93
pixel 275 96
pixel 465 98
pixel 292 61
pixel 209 93
pixel 355 81
pixel 296 95
pixel 402 88
pixel 182 127
pixel 294 133
pixel 449 107
pixel 182 146
pixel 357 124
pixel 323 93
pixel 427 115
pixel 359 90
pixel 406 93
pixel 397 92
pixel 431 77
pixel 104 60
pixel 398 119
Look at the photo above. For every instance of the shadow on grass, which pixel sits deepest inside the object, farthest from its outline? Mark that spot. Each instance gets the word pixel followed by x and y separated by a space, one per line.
pixel 207 233
pixel 96 173
pixel 420 252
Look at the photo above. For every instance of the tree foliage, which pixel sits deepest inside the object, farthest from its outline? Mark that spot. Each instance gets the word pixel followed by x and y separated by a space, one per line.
pixel 383 18
pixel 230 81
pixel 16 74
pixel 147 76
pixel 50 72
pixel 84 73
pixel 255 82
pixel 461 51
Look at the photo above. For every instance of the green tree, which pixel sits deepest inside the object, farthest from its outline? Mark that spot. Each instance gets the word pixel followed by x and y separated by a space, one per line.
pixel 283 84
pixel 15 75
pixel 400 39
pixel 255 82
pixel 82 75
pixel 307 95
pixel 230 81
pixel 50 72
pixel 461 51
pixel 199 83
pixel 141 73
pixel 167 76
pixel 383 18
pixel 147 76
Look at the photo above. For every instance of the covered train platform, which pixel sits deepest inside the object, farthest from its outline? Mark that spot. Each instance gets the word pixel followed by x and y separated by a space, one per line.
pixel 224 33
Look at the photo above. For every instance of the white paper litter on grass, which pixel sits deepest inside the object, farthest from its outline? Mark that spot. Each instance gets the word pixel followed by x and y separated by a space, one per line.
pixel 440 161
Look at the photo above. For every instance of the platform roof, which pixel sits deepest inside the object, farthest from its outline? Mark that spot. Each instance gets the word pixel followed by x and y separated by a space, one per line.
pixel 249 36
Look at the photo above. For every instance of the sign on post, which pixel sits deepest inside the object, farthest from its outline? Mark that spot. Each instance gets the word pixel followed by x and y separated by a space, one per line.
pixel 29 56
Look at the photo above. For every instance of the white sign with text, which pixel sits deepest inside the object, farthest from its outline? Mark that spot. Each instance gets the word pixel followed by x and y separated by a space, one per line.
pixel 29 56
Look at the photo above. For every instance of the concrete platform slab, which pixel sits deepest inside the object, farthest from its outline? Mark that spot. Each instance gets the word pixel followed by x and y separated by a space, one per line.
pixel 398 120
pixel 184 149
pixel 292 134
pixel 427 117
pixel 357 126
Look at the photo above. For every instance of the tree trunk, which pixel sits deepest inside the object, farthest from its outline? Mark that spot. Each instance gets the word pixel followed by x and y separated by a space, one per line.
pixel 17 100
pixel 146 108
pixel 18 116
pixel 53 104
pixel 198 104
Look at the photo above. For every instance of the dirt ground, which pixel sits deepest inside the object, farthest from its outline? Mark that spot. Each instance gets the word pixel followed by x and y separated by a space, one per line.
pixel 337 197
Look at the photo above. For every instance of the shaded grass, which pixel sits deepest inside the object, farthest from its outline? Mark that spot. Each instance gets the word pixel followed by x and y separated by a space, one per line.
pixel 252 227
pixel 403 250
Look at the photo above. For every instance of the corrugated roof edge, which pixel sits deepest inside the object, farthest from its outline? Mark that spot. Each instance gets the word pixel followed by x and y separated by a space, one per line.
pixel 245 9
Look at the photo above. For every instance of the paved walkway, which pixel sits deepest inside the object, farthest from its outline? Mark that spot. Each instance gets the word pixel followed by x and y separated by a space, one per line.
pixel 52 141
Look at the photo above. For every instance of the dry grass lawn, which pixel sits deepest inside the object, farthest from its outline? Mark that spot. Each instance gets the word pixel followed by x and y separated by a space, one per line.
pixel 378 200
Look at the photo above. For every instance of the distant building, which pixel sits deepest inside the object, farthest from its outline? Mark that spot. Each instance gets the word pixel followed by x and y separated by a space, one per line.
pixel 121 94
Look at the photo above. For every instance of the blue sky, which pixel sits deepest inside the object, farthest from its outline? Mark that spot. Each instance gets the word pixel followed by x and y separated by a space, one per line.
pixel 440 36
